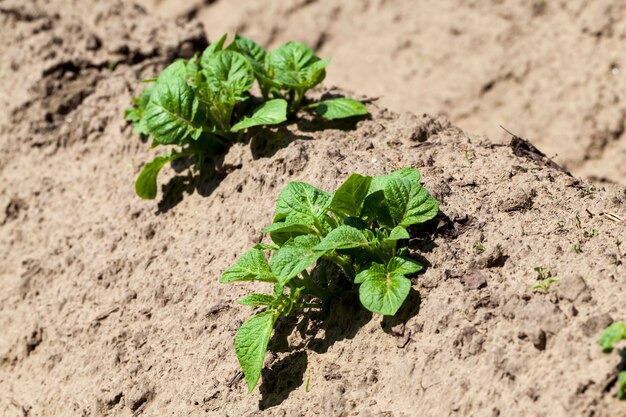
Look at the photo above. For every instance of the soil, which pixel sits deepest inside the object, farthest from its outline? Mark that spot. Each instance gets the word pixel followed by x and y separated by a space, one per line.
pixel 550 71
pixel 111 306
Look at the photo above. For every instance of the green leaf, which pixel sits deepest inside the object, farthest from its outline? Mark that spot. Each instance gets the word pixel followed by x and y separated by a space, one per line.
pixel 612 334
pixel 343 237
pixel 302 200
pixel 211 50
pixel 193 73
pixel 251 344
pixel 146 184
pixel 255 300
pixel 266 246
pixel 252 265
pixel 348 199
pixel 292 226
pixel 271 112
pixel 380 181
pixel 255 54
pixel 316 72
pixel 175 70
pixel 339 108
pixel 398 233
pixel 409 203
pixel 621 386
pixel 382 292
pixel 407 173
pixel 135 113
pixel 356 222
pixel 294 257
pixel 173 113
pixel 249 48
pixel 290 66
pixel 375 208
pixel 228 75
pixel 404 266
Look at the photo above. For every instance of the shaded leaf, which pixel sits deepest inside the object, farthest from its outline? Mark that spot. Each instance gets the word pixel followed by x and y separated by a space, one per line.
pixel 375 208
pixel 348 199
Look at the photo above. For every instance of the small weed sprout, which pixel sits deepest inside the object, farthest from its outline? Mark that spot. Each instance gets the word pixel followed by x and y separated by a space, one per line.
pixel 586 190
pixel 544 285
pixel 478 247
pixel 546 278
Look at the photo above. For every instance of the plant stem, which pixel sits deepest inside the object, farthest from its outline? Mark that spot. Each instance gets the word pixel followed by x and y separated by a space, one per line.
pixel 312 288
pixel 297 99
pixel 343 262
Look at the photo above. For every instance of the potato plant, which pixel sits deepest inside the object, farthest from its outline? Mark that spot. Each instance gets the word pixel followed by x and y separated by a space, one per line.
pixel 201 105
pixel 613 334
pixel 361 228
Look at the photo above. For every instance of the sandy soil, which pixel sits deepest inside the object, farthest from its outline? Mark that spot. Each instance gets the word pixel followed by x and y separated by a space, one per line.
pixel 551 71
pixel 111 305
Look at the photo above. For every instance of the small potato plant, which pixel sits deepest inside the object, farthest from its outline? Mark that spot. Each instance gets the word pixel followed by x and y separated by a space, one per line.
pixel 613 334
pixel 201 105
pixel 361 228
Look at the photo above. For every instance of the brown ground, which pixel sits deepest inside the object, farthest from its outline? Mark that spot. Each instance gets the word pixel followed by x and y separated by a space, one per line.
pixel 550 71
pixel 111 306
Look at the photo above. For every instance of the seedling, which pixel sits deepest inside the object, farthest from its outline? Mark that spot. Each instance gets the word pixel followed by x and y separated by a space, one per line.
pixel 613 334
pixel 543 272
pixel 478 247
pixel 586 190
pixel 202 105
pixel 546 278
pixel 545 284
pixel 361 228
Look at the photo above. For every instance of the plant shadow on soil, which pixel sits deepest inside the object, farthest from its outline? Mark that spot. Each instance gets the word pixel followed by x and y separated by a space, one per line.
pixel 342 320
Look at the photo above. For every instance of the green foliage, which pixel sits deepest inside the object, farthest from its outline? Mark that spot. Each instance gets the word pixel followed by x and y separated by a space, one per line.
pixel 544 285
pixel 203 104
pixel 361 228
pixel 613 334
